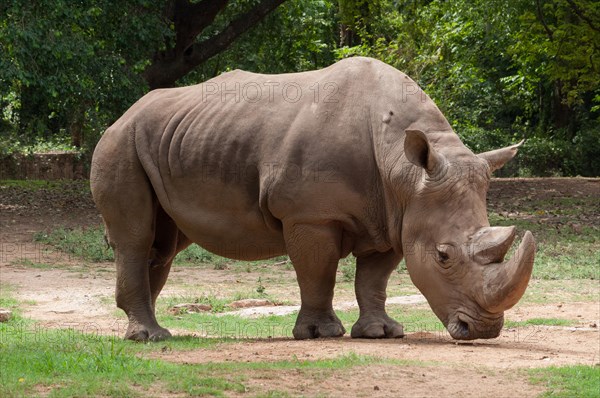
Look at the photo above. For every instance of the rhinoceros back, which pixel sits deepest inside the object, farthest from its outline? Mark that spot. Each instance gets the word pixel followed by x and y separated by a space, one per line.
pixel 236 155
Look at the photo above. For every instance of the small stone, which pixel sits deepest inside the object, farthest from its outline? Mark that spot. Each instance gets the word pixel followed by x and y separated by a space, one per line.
pixel 246 303
pixel 189 308
pixel 593 325
pixel 376 388
pixel 5 315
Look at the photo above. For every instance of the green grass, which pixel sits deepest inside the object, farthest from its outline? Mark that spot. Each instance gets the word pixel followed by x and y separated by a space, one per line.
pixel 218 303
pixel 7 300
pixel 348 272
pixel 231 326
pixel 86 243
pixel 544 291
pixel 89 244
pixel 26 262
pixel 195 254
pixel 539 322
pixel 38 184
pixel 568 381
pixel 70 363
pixel 67 363
pixel 562 253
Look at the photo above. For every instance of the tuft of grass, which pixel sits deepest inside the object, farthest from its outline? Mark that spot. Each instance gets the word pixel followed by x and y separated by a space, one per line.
pixel 195 254
pixel 274 394
pixel 348 272
pixel 539 322
pixel 86 243
pixel 7 301
pixel 568 381
pixel 26 262
pixel 218 304
pixel 38 184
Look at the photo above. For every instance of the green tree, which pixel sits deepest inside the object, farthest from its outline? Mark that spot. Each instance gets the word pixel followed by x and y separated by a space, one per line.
pixel 501 71
pixel 66 66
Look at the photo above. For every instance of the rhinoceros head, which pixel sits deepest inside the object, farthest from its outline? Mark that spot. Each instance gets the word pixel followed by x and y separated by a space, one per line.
pixel 452 254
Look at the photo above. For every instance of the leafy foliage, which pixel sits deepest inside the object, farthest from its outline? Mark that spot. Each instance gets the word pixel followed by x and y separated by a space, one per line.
pixel 498 75
pixel 500 71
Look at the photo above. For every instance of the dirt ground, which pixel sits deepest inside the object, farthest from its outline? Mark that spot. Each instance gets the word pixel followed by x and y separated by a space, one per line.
pixel 68 293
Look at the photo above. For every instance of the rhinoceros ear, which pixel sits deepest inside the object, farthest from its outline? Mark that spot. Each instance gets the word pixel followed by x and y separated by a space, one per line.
pixel 498 157
pixel 420 152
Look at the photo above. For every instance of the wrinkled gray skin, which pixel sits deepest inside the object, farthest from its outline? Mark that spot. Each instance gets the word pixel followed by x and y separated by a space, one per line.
pixel 353 158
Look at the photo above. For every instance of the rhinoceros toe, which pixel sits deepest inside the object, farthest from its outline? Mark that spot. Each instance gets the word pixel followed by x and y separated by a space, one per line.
pixel 377 328
pixel 315 328
pixel 141 333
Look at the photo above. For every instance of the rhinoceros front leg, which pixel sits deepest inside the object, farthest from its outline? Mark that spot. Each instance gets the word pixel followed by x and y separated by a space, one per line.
pixel 372 274
pixel 315 252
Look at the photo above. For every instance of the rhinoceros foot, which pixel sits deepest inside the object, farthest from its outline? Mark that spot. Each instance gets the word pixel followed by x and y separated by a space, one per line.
pixel 377 327
pixel 141 333
pixel 312 327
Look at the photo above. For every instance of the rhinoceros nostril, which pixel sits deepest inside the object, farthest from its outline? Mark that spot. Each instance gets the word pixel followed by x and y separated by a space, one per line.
pixel 463 327
pixel 459 330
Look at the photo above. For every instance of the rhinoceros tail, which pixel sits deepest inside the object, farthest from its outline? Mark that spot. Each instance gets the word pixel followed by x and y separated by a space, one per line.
pixel 106 238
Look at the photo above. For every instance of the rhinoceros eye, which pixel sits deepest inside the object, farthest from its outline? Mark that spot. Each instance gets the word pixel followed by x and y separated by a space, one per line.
pixel 443 255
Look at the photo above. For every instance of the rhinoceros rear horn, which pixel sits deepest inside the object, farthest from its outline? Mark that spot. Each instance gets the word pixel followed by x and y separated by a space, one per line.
pixel 420 152
pixel 498 157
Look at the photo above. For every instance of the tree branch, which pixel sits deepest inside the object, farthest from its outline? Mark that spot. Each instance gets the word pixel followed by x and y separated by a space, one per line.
pixel 543 21
pixel 220 42
pixel 581 15
pixel 191 19
pixel 167 69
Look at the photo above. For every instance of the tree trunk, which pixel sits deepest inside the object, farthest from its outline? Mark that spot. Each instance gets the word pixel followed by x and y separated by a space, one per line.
pixel 562 111
pixel 33 113
pixel 190 19
pixel 76 127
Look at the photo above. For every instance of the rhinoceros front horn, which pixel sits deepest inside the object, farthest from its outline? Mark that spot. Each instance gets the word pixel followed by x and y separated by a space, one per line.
pixel 505 283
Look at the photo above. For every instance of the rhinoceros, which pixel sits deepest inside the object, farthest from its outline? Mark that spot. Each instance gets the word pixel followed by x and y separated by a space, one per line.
pixel 353 158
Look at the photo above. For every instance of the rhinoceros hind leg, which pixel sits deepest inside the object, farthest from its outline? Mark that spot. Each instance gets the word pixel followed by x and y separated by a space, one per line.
pixel 372 274
pixel 168 241
pixel 315 252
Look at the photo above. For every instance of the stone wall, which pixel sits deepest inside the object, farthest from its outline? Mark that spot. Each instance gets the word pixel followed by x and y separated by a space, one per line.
pixel 44 166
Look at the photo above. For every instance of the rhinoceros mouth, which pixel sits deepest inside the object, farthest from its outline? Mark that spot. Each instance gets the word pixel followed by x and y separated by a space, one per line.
pixel 467 327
